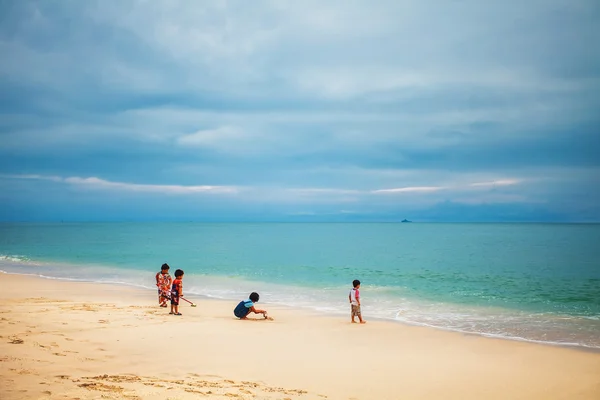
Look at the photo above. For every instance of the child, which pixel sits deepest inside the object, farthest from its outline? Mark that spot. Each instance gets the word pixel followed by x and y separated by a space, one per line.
pixel 176 292
pixel 247 306
pixel 354 298
pixel 163 282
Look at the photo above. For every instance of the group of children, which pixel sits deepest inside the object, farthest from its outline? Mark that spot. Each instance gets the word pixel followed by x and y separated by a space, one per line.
pixel 169 289
pixel 172 289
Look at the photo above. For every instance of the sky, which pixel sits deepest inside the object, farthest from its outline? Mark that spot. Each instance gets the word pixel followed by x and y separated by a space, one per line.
pixel 300 111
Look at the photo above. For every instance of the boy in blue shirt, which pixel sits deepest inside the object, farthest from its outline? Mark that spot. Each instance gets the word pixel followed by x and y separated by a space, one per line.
pixel 245 307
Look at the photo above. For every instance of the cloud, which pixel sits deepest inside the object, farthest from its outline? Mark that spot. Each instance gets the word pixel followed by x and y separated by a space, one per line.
pixel 323 191
pixel 496 198
pixel 414 189
pixel 386 105
pixel 33 176
pixel 430 189
pixel 294 193
pixel 97 183
pixel 216 138
pixel 501 182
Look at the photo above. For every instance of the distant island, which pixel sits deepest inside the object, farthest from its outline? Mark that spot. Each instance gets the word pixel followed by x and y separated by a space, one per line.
pixel 405 220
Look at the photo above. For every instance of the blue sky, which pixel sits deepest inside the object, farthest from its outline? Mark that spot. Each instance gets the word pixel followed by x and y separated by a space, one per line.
pixel 300 111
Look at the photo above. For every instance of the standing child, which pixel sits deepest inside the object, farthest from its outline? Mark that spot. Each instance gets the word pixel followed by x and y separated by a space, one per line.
pixel 354 298
pixel 245 307
pixel 163 282
pixel 176 292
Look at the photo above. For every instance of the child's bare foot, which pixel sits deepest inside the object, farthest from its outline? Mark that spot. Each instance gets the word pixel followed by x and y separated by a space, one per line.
pixel 353 321
pixel 363 322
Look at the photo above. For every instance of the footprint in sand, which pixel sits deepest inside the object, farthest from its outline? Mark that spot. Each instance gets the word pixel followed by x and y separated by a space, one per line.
pixel 101 387
pixel 47 346
pixel 193 391
pixel 25 372
pixel 16 340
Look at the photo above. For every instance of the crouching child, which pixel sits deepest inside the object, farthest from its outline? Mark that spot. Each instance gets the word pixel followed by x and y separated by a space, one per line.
pixel 245 307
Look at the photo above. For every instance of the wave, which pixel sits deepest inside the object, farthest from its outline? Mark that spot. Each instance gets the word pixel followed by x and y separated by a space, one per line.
pixel 14 258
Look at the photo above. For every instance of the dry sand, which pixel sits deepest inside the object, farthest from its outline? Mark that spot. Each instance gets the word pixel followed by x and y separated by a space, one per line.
pixel 66 340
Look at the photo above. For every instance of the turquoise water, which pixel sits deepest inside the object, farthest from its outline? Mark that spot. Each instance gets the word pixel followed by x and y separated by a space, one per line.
pixel 538 282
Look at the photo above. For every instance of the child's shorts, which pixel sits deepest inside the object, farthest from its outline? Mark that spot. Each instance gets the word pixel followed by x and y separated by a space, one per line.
pixel 174 298
pixel 355 310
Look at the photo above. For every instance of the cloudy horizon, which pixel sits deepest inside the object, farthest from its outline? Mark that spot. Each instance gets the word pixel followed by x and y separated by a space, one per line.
pixel 307 111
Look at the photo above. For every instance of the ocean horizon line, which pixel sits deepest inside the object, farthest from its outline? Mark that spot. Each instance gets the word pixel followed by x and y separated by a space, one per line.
pixel 224 221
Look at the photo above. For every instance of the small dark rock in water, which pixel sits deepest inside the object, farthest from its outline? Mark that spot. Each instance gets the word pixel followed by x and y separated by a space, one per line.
pixel 405 220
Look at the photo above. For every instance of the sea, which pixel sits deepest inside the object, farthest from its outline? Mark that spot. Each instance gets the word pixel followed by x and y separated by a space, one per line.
pixel 522 281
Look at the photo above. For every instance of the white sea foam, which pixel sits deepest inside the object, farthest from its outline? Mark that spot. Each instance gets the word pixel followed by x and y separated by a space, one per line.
pixel 13 258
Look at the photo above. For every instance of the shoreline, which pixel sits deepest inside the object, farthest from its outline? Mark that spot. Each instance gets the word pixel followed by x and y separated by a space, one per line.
pixel 74 339
pixel 317 312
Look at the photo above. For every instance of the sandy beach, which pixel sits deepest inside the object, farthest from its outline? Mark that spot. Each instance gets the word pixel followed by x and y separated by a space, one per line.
pixel 68 340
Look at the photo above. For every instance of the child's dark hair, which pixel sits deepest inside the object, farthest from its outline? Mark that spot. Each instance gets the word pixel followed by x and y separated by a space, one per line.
pixel 355 282
pixel 254 297
pixel 178 273
pixel 165 266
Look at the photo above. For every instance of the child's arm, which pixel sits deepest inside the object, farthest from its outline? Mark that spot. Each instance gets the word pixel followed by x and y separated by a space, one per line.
pixel 255 311
pixel 157 279
pixel 180 289
pixel 350 298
